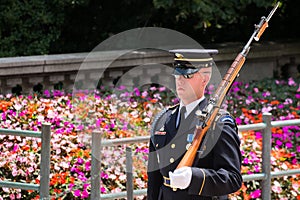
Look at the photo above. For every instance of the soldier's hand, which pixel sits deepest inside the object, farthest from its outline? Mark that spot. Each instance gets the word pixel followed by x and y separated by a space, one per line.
pixel 181 178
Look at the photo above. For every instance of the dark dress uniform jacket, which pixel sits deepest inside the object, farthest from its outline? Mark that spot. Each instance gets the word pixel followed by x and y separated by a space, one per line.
pixel 216 168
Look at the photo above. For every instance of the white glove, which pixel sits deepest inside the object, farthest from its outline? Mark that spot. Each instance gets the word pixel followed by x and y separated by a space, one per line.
pixel 181 178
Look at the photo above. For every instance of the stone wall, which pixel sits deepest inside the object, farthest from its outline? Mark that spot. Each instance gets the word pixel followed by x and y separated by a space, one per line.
pixel 55 71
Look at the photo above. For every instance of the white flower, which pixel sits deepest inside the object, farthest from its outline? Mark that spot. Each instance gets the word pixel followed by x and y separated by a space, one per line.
pixel 147 119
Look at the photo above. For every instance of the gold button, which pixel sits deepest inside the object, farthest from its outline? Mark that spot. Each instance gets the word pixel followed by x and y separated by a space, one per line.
pixel 171 160
pixel 173 146
pixel 156 145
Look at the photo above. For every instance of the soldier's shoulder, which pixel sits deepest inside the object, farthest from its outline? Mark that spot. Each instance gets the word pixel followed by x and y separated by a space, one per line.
pixel 225 116
pixel 162 116
pixel 165 111
pixel 173 107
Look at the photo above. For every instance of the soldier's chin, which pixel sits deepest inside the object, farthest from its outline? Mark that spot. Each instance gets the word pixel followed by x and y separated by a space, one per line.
pixel 180 92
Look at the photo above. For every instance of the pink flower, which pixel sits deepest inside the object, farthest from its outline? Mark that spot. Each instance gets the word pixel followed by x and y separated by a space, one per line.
pixel 280 106
pixel 18 196
pixel 80 161
pixel 3 116
pixel 161 89
pixel 278 143
pixel 289 145
pixel 12 196
pixel 71 185
pixel 255 194
pixel 266 94
pixel 88 166
pixel 85 194
pixel 14 172
pixel 104 175
pixel 238 120
pixel 276 187
pixel 291 82
pixel 77 193
pixel 103 190
pixel 16 147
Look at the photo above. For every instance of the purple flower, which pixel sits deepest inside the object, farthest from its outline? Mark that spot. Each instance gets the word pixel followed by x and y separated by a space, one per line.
pixel 145 94
pixel 88 166
pixel 137 92
pixel 297 96
pixel 161 89
pixel 98 122
pixel 47 93
pixel 80 127
pixel 86 185
pixel 278 143
pixel 289 145
pixel 236 89
pixel 238 120
pixel 71 185
pixel 16 147
pixel 103 190
pixel 280 106
pixel 3 116
pixel 79 161
pixel 294 161
pixel 291 82
pixel 256 168
pixel 104 175
pixel 85 194
pixel 77 193
pixel 266 94
pixel 258 135
pixel 121 87
pixel 255 194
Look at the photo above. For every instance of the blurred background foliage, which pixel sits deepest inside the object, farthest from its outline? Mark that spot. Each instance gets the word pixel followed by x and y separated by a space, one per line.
pixel 38 27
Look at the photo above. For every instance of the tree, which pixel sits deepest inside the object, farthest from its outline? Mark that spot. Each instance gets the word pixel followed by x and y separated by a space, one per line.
pixel 29 27
pixel 66 26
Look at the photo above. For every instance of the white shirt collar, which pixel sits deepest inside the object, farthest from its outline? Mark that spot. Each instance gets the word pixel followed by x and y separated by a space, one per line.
pixel 190 107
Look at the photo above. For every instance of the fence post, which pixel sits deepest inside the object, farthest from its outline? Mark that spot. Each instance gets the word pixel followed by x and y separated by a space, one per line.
pixel 129 183
pixel 96 165
pixel 266 157
pixel 45 162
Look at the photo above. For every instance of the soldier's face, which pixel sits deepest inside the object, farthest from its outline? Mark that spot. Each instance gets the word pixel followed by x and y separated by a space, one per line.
pixel 191 89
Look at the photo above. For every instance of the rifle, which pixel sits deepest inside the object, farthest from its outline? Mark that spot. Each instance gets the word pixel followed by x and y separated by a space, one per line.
pixel 209 113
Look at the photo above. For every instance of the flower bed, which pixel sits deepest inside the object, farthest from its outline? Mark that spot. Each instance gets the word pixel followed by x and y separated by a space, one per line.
pixel 119 113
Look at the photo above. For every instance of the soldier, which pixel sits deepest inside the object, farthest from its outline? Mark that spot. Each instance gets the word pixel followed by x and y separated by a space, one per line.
pixel 215 172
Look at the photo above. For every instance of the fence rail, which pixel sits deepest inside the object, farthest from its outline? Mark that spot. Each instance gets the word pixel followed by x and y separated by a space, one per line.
pixel 265 176
pixel 45 135
pixel 43 188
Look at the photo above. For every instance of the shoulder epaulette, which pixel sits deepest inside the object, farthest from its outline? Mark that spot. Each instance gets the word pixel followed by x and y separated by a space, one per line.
pixel 173 106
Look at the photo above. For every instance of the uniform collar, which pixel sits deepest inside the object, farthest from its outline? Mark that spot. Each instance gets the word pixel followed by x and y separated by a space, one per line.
pixel 190 107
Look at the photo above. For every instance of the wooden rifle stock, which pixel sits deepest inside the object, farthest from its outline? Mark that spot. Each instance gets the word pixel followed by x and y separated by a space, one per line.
pixel 208 115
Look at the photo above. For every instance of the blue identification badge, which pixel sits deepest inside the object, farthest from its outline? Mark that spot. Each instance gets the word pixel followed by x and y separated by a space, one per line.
pixel 189 139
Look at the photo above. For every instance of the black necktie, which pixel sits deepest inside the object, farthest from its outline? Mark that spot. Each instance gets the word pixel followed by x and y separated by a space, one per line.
pixel 182 113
